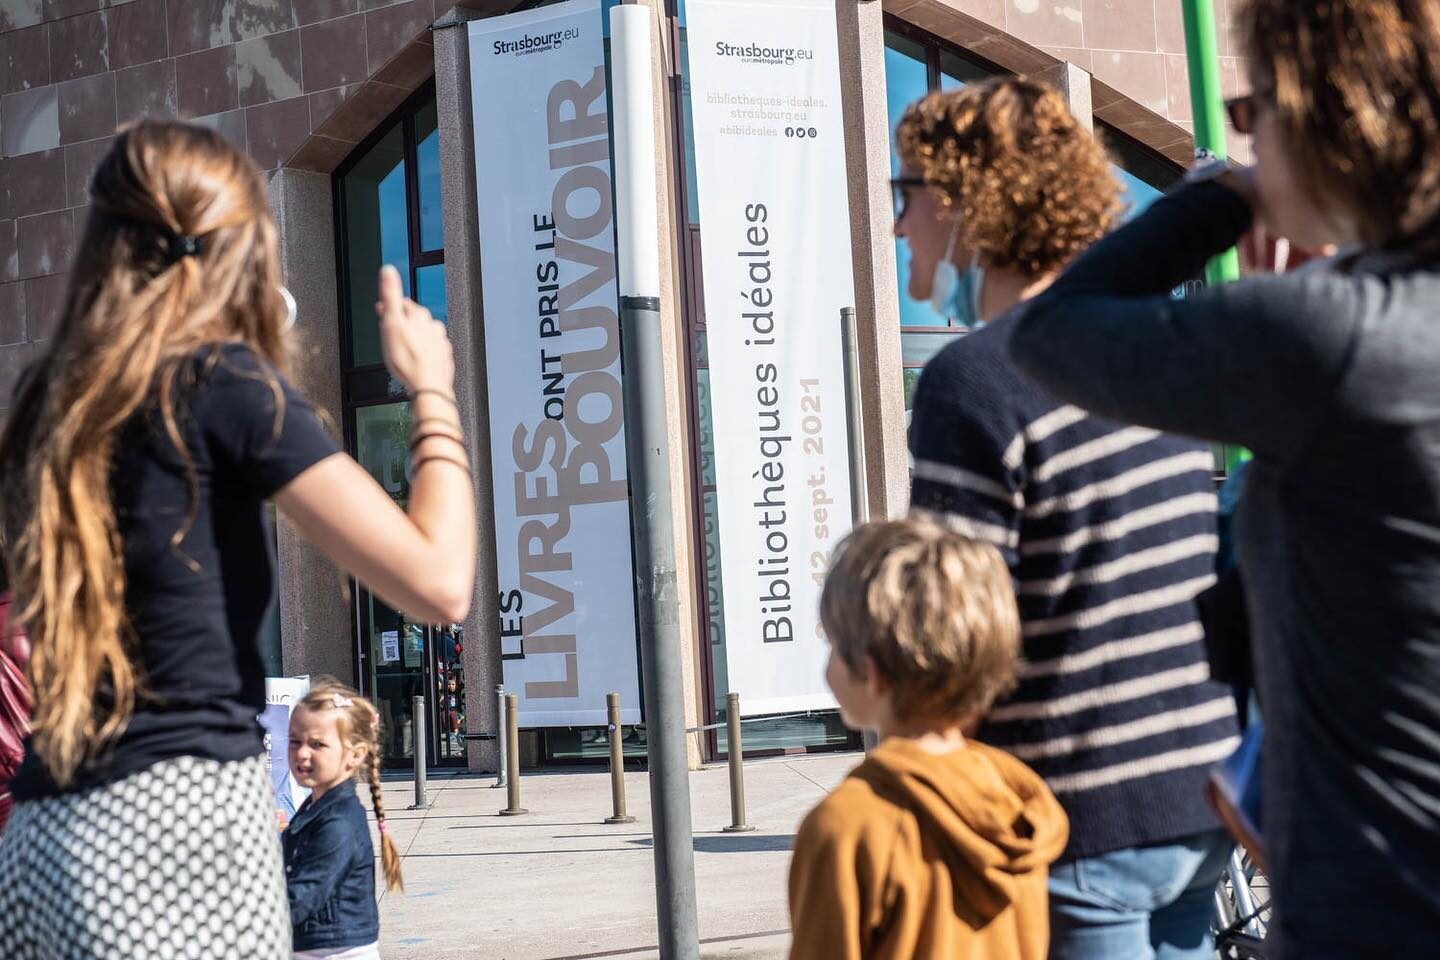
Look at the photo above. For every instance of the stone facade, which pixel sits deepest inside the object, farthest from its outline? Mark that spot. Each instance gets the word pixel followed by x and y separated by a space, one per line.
pixel 1134 46
pixel 294 82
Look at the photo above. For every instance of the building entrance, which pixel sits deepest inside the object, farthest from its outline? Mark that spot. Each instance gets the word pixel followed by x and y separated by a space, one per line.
pixel 398 658
pixel 401 660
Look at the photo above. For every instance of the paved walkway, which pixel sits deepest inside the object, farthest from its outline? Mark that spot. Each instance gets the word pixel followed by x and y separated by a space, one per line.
pixel 559 884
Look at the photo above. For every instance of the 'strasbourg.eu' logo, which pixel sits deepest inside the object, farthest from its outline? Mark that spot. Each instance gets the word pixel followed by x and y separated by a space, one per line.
pixel 755 53
pixel 537 42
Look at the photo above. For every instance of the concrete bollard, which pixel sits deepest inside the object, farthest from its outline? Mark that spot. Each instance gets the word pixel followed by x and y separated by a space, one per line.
pixel 737 765
pixel 417 726
pixel 512 773
pixel 617 763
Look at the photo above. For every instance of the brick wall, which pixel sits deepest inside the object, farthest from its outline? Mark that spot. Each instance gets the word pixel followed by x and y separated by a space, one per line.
pixel 1135 46
pixel 291 81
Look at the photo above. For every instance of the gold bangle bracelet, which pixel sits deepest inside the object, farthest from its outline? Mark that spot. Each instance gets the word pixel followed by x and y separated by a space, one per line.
pixel 436 435
pixel 450 397
pixel 415 466
pixel 417 425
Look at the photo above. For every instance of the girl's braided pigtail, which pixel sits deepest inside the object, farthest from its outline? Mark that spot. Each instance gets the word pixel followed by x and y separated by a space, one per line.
pixel 389 856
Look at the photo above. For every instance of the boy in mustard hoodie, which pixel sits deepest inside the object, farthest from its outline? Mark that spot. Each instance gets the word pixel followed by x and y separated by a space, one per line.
pixel 935 846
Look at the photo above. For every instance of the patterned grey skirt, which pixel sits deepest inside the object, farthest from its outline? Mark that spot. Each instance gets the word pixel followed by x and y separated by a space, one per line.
pixel 181 860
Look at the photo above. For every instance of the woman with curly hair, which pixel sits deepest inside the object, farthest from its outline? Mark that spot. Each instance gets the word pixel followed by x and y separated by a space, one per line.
pixel 980 202
pixel 1109 532
pixel 1331 376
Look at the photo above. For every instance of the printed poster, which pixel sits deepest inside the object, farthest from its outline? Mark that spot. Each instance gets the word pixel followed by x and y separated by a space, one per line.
pixel 281 696
pixel 552 336
pixel 774 206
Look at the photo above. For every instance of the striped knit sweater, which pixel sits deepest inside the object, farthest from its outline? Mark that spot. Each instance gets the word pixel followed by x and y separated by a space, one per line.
pixel 1110 533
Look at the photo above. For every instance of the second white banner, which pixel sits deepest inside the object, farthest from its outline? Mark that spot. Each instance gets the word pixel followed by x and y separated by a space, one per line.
pixel 771 178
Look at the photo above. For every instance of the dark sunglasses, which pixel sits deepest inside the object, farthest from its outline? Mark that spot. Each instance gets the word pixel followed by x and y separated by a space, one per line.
pixel 1242 111
pixel 900 188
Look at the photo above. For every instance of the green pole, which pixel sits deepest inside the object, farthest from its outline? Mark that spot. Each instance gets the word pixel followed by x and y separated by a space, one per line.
pixel 1208 110
pixel 1207 107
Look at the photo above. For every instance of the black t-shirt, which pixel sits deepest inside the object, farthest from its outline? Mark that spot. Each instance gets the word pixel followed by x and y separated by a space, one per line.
pixel 197 608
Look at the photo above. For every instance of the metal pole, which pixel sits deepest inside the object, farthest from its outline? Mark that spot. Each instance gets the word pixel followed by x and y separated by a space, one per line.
pixel 512 734
pixel 736 749
pixel 648 456
pixel 1207 107
pixel 417 727
pixel 855 432
pixel 617 763
pixel 500 735
pixel 859 486
pixel 1245 904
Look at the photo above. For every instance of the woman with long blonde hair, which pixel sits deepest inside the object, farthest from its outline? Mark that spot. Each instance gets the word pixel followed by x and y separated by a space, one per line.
pixel 134 470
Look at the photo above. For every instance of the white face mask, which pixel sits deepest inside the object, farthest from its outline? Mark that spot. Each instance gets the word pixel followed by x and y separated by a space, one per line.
pixel 291 310
pixel 947 275
pixel 965 305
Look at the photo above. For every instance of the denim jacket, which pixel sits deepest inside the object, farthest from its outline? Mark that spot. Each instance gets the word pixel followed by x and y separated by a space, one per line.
pixel 330 873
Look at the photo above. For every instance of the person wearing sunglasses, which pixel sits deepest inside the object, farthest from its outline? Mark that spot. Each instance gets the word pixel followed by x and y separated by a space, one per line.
pixel 1108 532
pixel 1331 376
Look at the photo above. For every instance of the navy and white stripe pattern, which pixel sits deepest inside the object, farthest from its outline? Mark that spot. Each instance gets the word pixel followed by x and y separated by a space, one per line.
pixel 1110 534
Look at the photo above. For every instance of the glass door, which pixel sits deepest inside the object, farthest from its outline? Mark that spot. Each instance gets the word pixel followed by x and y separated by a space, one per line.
pixel 388 210
pixel 394 675
pixel 447 680
pixel 392 650
pixel 399 658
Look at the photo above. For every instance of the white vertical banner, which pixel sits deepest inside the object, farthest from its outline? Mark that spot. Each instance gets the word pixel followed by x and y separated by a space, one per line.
pixel 552 343
pixel 774 208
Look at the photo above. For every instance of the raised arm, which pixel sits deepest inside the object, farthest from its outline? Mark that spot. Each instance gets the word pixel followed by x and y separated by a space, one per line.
pixel 1242 363
pixel 421 560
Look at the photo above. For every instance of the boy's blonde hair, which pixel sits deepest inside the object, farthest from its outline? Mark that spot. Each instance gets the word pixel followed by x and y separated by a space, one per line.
pixel 933 609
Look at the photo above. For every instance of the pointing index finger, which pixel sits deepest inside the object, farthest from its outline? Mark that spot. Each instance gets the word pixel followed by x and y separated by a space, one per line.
pixel 392 294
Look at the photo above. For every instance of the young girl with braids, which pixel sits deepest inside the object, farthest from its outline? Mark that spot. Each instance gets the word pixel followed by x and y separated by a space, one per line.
pixel 329 862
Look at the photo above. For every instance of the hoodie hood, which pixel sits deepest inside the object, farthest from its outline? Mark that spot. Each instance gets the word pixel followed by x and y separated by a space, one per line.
pixel 990 817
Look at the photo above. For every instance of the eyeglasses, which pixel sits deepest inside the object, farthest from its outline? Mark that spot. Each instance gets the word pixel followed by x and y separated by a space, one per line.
pixel 900 187
pixel 1242 111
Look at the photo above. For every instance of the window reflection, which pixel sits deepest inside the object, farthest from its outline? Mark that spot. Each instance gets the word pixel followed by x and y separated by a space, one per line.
pixel 430 291
pixel 382 437
pixel 714 584
pixel 1143 177
pixel 427 174
pixel 382 441
pixel 907 79
pixel 692 189
pixel 956 71
pixel 376 233
pixel 917 347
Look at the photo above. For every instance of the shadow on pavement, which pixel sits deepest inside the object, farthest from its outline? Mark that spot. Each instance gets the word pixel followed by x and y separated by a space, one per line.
pixel 734 843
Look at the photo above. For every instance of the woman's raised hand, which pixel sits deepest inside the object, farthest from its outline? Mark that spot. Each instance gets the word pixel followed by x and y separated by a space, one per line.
pixel 416 345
